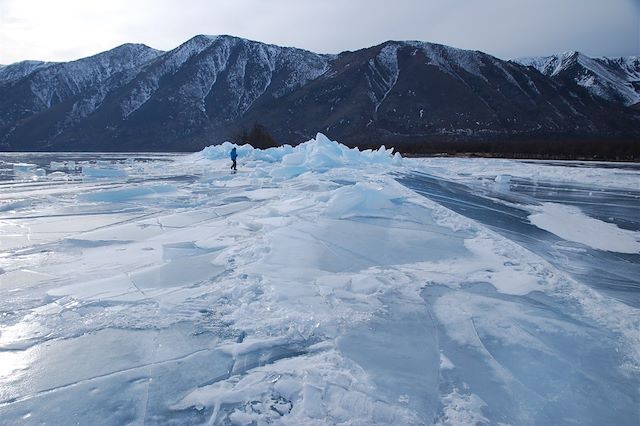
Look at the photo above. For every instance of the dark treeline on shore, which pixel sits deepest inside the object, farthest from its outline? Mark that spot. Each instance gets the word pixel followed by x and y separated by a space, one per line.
pixel 611 150
pixel 550 148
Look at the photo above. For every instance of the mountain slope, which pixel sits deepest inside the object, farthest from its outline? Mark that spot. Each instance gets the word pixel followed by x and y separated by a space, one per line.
pixel 614 79
pixel 211 88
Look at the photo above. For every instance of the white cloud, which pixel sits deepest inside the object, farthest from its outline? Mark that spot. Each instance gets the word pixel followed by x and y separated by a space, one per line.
pixel 70 29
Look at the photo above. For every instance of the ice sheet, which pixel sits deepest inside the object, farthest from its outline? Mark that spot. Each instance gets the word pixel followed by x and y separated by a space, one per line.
pixel 318 285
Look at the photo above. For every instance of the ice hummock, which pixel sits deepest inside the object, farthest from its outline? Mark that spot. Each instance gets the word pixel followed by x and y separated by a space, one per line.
pixel 318 154
pixel 315 286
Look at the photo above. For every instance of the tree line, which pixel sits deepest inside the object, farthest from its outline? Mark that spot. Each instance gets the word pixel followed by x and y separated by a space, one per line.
pixel 554 147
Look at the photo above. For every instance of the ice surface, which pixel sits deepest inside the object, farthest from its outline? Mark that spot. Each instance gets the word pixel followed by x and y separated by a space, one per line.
pixel 103 171
pixel 318 285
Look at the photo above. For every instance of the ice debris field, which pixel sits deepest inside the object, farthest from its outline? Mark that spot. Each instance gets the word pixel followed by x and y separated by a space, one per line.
pixel 318 285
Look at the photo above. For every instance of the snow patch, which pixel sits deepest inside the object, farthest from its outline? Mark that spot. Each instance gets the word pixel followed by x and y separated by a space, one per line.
pixel 571 224
pixel 383 74
pixel 507 277
pixel 445 363
pixel 462 409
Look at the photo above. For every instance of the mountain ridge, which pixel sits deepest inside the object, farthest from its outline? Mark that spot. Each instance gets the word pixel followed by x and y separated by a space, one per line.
pixel 213 88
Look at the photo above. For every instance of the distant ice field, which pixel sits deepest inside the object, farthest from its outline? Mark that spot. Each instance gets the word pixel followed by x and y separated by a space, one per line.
pixel 318 285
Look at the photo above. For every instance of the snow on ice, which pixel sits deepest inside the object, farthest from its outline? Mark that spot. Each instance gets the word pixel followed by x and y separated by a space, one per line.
pixel 570 224
pixel 318 285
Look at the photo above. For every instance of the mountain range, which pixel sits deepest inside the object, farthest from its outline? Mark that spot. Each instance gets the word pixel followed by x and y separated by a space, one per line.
pixel 405 93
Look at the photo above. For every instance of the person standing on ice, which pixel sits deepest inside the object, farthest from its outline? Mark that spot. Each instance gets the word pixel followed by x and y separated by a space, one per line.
pixel 233 154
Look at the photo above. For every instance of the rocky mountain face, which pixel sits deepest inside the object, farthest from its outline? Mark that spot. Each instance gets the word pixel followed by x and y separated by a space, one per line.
pixel 614 79
pixel 212 88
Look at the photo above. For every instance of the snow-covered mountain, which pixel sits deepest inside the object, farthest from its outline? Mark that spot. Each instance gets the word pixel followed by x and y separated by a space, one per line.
pixel 70 90
pixel 212 88
pixel 406 93
pixel 614 79
pixel 146 93
pixel 222 76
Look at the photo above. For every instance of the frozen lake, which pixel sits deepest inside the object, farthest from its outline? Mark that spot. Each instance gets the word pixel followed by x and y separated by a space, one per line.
pixel 507 211
pixel 318 285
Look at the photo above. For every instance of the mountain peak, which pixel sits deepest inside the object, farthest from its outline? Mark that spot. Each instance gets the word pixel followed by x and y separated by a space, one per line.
pixel 135 47
pixel 126 51
pixel 570 54
pixel 208 39
pixel 193 46
pixel 551 65
pixel 204 38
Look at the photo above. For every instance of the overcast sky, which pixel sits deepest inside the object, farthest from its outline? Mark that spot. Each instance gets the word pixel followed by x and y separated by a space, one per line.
pixel 61 30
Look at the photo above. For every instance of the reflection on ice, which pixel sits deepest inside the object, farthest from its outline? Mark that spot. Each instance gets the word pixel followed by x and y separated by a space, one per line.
pixel 11 363
pixel 312 287
pixel 21 335
pixel 123 195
